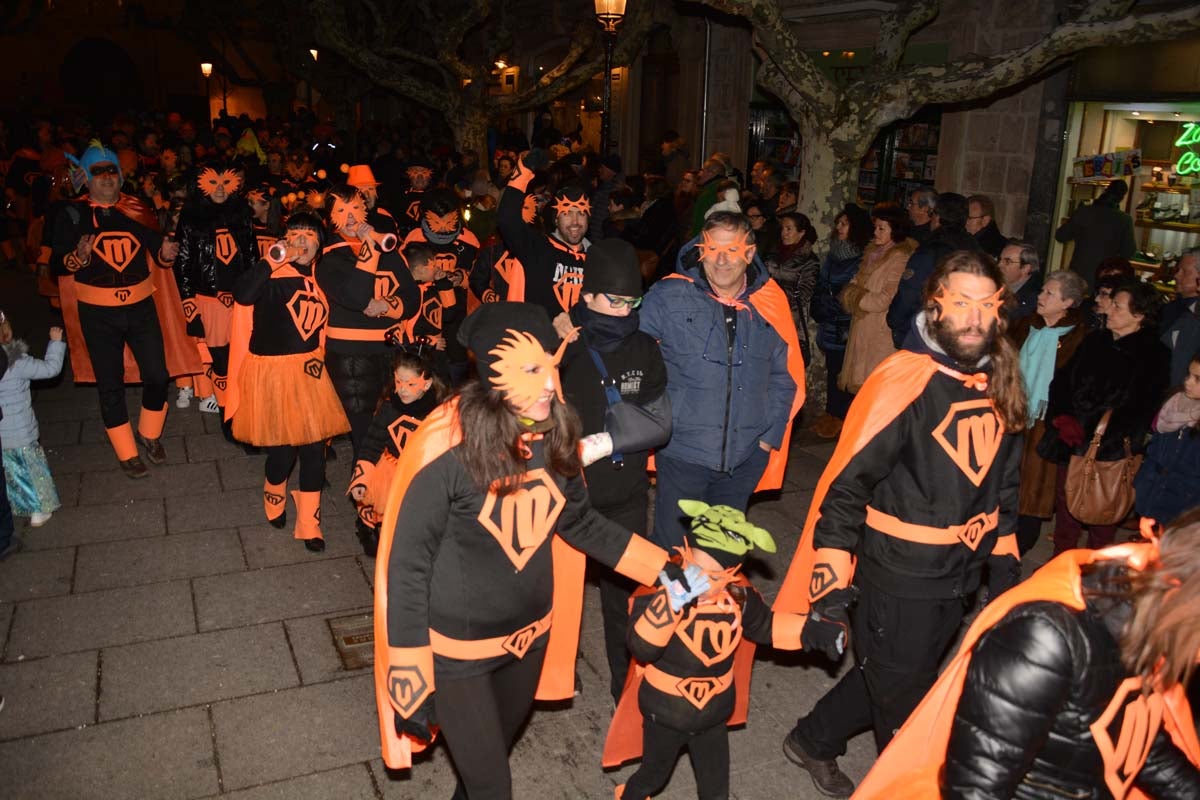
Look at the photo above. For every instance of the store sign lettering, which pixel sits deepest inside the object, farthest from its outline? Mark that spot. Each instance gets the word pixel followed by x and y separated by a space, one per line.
pixel 1189 162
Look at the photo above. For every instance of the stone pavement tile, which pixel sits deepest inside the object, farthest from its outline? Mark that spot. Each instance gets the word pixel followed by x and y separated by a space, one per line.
pixel 212 510
pixel 36 574
pixel 51 434
pixel 107 522
pixel 804 470
pixel 160 756
pixel 67 484
pixel 101 619
pixel 98 456
pixel 71 407
pixel 312 644
pixel 347 783
pixel 432 776
pixel 210 446
pixel 246 598
pixel 162 558
pixel 167 480
pixel 822 450
pixel 6 615
pixel 269 547
pixel 92 431
pixel 242 473
pixel 48 694
pixel 188 670
pixel 296 731
pixel 184 421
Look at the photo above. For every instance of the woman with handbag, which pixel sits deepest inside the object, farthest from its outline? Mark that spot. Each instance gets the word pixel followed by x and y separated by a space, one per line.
pixel 1100 408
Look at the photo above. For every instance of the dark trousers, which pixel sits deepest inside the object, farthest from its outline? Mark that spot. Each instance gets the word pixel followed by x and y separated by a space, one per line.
pixel 480 717
pixel 359 380
pixel 1067 529
pixel 681 480
pixel 220 359
pixel 106 332
pixel 281 459
pixel 837 401
pixel 1029 529
pixel 708 751
pixel 7 527
pixel 898 644
pixel 614 597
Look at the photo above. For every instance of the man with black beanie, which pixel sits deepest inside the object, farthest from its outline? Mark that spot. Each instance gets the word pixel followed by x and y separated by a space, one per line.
pixel 614 377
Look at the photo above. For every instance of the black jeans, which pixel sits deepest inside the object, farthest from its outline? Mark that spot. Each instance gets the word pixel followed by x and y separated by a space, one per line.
pixel 107 330
pixel 614 596
pixel 708 751
pixel 680 480
pixel 837 401
pixel 480 717
pixel 898 644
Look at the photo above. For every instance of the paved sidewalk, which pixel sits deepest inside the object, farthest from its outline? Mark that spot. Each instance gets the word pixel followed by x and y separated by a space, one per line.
pixel 158 639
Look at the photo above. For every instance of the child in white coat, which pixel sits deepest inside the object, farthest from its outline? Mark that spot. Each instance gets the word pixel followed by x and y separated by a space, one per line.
pixel 27 475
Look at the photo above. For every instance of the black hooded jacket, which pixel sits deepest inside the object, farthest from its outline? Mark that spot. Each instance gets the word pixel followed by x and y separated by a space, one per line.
pixel 216 245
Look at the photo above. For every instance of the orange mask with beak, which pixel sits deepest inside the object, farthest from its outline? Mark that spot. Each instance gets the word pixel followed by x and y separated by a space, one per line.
pixel 209 181
pixel 957 307
pixel 740 249
pixel 342 211
pixel 521 366
pixel 442 224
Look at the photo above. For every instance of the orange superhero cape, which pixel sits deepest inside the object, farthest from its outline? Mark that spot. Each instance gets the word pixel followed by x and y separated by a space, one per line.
pixel 624 740
pixel 770 301
pixel 910 767
pixel 240 330
pixel 438 433
pixel 179 349
pixel 890 389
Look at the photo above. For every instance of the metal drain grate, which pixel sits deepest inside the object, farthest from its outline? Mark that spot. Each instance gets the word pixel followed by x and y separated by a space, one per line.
pixel 354 638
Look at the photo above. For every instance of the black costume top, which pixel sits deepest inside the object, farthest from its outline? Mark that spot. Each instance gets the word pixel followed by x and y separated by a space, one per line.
pixel 553 270
pixel 392 424
pixel 119 250
pixel 217 244
pixel 289 310
pixel 351 274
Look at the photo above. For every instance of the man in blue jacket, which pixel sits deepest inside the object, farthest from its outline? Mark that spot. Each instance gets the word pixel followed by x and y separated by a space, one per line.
pixel 730 365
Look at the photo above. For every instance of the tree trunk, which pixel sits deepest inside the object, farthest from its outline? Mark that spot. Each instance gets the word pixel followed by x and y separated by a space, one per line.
pixel 469 126
pixel 829 174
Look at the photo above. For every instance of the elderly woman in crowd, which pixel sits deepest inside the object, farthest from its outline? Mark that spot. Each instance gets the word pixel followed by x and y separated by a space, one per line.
pixel 1122 368
pixel 1047 340
pixel 867 297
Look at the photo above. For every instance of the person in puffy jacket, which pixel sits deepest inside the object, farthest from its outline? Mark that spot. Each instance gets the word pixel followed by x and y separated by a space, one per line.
pixel 1168 483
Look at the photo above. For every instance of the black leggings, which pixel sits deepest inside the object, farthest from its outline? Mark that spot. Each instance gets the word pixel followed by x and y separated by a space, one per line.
pixel 480 716
pixel 220 359
pixel 708 751
pixel 106 331
pixel 282 458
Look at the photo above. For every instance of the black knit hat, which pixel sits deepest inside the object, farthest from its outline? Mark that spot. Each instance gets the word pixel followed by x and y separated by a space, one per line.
pixel 612 267
pixel 483 330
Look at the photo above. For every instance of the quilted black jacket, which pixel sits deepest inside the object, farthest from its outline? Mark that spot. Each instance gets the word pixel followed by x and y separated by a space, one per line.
pixel 198 270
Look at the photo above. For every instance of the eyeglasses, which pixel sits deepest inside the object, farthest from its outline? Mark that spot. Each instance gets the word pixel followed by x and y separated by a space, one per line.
pixel 621 302
pixel 97 171
pixel 717 349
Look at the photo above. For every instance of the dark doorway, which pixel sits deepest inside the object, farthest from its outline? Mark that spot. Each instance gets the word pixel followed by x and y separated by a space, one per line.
pixel 100 76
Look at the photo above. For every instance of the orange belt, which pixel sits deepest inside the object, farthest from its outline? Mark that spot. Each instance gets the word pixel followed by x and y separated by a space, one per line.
pixel 696 690
pixel 357 334
pixel 516 643
pixel 113 295
pixel 969 533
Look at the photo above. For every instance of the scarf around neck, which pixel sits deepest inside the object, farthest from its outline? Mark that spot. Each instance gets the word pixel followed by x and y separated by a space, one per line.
pixel 1037 366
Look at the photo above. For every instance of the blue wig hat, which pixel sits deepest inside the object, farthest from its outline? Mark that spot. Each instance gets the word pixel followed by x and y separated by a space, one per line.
pixel 96 153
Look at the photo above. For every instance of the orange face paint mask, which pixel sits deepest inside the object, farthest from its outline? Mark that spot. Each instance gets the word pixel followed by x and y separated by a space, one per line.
pixel 562 205
pixel 739 250
pixel 343 211
pixel 529 208
pixel 209 181
pixel 521 367
pixel 442 224
pixel 958 307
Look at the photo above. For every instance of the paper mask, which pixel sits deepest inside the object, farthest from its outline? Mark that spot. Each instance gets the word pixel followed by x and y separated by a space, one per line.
pixel 521 365
pixel 958 307
pixel 209 181
pixel 740 249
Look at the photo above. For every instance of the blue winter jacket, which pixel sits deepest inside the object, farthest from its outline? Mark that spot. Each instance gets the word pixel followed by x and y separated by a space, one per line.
pixel 1168 483
pixel 833 321
pixel 724 400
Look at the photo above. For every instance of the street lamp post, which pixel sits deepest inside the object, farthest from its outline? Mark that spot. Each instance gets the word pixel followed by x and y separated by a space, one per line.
pixel 610 14
pixel 206 71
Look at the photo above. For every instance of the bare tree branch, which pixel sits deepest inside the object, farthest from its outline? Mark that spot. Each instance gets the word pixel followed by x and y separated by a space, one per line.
pixel 452 38
pixel 897 27
pixel 1101 10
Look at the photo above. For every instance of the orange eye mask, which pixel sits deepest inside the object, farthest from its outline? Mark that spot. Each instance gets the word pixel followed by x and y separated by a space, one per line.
pixel 419 173
pixel 210 180
pixel 342 211
pixel 256 194
pixel 957 307
pixel 413 385
pixel 300 237
pixel 739 249
pixel 521 367
pixel 442 224
pixel 562 205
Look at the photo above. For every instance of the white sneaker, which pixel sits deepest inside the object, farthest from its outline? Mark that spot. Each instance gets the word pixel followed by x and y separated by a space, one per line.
pixel 209 405
pixel 37 519
pixel 184 400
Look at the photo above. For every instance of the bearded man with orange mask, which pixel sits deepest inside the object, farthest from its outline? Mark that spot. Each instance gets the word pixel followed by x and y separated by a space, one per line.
pixel 919 497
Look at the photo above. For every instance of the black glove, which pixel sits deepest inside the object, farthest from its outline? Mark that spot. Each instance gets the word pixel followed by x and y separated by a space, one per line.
pixel 828 627
pixel 421 724
pixel 1004 572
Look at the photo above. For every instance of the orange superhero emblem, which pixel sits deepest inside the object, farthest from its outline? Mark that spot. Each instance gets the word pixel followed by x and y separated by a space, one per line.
pixel 407 687
pixel 224 246
pixel 1136 719
pixel 401 428
pixel 209 181
pixel 521 521
pixel 521 366
pixel 447 223
pixel 971 433
pixel 711 640
pixel 116 248
pixel 307 309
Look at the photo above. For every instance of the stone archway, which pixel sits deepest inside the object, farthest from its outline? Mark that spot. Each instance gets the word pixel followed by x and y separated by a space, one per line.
pixel 98 74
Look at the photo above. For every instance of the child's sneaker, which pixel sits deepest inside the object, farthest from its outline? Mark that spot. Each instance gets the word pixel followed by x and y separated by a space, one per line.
pixel 184 400
pixel 209 405
pixel 37 519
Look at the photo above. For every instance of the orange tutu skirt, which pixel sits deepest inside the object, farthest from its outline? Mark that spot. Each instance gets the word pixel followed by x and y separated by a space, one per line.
pixel 287 400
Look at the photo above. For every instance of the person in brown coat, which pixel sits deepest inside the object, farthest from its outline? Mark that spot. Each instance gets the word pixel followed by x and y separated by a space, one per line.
pixel 1047 339
pixel 867 297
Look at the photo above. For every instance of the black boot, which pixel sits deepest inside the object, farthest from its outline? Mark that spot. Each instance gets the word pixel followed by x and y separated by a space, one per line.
pixel 368 537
